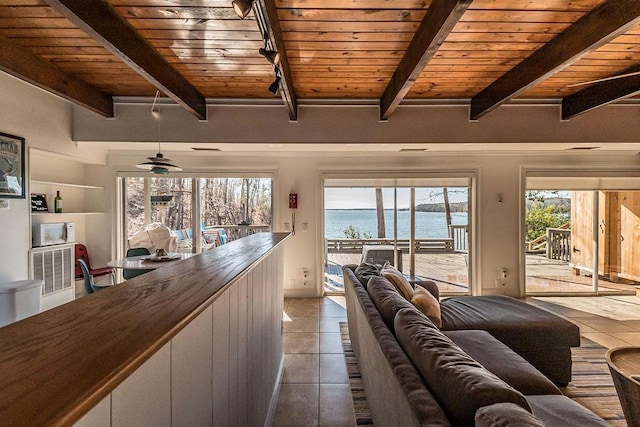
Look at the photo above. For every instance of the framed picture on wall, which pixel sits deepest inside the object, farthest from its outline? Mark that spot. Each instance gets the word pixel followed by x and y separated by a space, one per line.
pixel 11 167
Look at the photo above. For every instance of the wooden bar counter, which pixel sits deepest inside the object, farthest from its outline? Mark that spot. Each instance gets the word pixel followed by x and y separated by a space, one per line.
pixel 193 342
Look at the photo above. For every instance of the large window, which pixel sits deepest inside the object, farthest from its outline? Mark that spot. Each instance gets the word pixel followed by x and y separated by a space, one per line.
pixel 198 212
pixel 422 229
pixel 580 234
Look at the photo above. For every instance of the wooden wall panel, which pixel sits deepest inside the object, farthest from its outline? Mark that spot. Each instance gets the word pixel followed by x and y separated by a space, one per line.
pixel 98 416
pixel 221 364
pixel 223 369
pixel 192 373
pixel 234 350
pixel 242 375
pixel 144 398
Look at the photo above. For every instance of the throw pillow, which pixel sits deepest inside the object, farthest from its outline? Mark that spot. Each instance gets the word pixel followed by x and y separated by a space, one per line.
pixel 398 280
pixel 366 271
pixel 427 304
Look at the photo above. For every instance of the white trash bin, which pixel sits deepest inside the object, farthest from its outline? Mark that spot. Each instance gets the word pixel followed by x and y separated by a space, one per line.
pixel 19 299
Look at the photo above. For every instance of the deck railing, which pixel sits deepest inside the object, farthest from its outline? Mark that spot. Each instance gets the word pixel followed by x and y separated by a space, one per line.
pixel 433 245
pixel 460 236
pixel 540 243
pixel 235 232
pixel 559 244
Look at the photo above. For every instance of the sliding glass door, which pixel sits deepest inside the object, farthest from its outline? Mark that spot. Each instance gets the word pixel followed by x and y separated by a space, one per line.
pixel 419 225
pixel 581 234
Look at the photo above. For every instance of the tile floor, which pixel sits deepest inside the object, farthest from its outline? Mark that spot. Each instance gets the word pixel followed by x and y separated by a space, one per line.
pixel 315 387
pixel 605 331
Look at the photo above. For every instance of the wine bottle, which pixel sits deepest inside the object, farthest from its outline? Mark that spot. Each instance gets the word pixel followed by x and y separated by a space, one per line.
pixel 58 203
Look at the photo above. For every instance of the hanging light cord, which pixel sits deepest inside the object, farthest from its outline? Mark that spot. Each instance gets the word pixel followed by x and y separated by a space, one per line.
pixel 156 115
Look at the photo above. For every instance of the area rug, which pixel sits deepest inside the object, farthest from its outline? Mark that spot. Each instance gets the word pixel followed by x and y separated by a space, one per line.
pixel 591 385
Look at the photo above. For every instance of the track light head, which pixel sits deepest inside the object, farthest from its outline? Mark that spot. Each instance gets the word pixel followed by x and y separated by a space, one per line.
pixel 272 56
pixel 242 7
pixel 273 87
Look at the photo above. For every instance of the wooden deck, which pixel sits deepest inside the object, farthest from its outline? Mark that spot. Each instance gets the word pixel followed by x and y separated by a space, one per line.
pixel 449 271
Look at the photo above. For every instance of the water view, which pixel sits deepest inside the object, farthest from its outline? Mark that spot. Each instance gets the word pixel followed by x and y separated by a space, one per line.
pixel 428 224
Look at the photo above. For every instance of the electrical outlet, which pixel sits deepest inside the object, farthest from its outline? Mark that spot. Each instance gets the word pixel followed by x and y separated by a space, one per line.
pixel 500 283
pixel 287 226
pixel 305 226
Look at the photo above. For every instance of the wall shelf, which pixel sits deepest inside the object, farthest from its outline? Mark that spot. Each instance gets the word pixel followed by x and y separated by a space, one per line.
pixel 65 213
pixel 63 184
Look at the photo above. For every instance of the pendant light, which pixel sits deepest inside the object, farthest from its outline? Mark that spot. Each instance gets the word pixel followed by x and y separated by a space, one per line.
pixel 159 164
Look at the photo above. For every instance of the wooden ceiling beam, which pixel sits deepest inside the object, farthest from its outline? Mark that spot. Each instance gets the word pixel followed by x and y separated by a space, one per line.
pixel 602 93
pixel 102 23
pixel 436 25
pixel 605 22
pixel 18 62
pixel 268 11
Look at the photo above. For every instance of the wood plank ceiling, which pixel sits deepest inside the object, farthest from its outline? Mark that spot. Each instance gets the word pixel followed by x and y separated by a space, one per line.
pixel 484 51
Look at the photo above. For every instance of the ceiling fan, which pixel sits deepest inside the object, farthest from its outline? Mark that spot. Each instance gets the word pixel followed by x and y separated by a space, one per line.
pixel 604 79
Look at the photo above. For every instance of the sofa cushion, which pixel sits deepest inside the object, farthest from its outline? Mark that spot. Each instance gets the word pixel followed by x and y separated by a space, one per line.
pixel 505 414
pixel 424 301
pixel 387 299
pixel 396 278
pixel 560 411
pixel 506 364
pixel 460 384
pixel 365 271
pixel 519 325
pixel 376 337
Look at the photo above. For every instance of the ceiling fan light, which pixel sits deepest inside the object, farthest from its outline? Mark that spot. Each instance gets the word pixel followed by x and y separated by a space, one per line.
pixel 273 87
pixel 271 55
pixel 242 7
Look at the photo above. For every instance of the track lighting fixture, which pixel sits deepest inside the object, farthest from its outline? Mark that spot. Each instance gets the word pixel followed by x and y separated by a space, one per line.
pixel 273 87
pixel 159 164
pixel 271 55
pixel 242 7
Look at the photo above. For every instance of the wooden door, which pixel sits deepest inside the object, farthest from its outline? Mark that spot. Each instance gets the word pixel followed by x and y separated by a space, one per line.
pixel 581 230
pixel 628 235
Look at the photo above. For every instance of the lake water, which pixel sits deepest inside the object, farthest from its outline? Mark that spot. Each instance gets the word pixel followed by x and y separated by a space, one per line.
pixel 428 224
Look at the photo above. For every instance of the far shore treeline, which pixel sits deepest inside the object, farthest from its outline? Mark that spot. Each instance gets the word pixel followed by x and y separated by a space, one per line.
pixel 425 207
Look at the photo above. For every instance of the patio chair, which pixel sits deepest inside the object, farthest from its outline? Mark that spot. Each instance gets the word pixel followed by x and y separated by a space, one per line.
pixel 128 273
pixel 81 253
pixel 379 254
pixel 89 285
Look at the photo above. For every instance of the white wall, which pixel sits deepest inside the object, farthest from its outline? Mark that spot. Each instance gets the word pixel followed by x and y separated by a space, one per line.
pixel 498 230
pixel 44 121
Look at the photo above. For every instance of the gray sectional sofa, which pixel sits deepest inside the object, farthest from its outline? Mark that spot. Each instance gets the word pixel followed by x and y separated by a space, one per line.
pixel 415 374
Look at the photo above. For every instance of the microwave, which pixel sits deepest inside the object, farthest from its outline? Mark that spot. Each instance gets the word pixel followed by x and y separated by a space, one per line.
pixel 53 233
